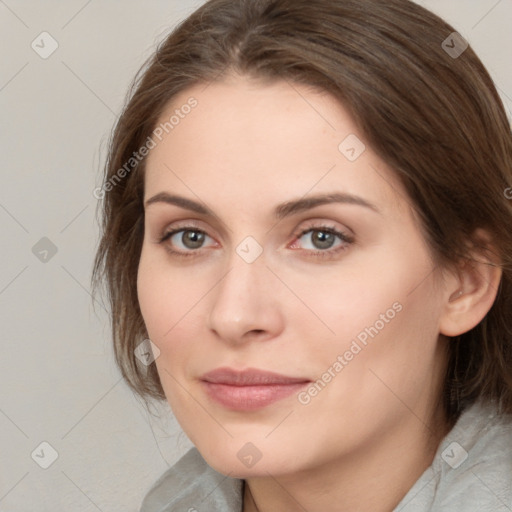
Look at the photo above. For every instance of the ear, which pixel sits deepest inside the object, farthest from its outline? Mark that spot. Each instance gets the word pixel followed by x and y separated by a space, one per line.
pixel 471 288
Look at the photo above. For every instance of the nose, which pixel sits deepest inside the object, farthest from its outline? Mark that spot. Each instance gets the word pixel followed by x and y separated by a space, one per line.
pixel 245 305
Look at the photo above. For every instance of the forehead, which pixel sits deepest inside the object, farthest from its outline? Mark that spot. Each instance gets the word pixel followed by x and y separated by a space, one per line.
pixel 248 143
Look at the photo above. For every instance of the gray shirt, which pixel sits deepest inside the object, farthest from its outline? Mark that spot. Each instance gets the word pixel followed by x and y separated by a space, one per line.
pixel 471 472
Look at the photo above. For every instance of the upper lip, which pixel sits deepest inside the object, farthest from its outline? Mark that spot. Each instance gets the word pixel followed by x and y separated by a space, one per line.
pixel 249 377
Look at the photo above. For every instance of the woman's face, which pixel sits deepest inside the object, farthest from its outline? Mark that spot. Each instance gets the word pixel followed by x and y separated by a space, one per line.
pixel 293 250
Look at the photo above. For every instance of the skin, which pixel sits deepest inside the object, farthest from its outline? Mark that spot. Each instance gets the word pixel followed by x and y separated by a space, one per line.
pixel 368 435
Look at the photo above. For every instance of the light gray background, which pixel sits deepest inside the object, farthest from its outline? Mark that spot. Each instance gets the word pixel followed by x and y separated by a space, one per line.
pixel 58 383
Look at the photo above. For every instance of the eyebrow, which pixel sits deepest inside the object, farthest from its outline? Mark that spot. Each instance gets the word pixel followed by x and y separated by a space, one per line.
pixel 281 211
pixel 307 203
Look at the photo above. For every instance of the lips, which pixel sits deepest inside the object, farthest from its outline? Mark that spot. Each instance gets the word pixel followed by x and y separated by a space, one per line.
pixel 249 389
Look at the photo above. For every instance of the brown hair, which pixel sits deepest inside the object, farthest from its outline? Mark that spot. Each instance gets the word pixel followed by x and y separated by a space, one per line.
pixel 434 117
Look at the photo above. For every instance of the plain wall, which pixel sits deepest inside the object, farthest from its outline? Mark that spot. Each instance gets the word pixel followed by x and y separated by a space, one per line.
pixel 58 382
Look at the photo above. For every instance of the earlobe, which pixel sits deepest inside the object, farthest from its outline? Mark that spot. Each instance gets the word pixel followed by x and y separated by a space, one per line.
pixel 472 292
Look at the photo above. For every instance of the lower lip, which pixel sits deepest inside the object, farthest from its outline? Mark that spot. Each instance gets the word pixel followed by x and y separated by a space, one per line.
pixel 250 398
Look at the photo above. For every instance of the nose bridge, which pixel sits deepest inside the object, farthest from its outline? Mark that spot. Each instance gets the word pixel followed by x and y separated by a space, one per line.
pixel 243 285
pixel 244 302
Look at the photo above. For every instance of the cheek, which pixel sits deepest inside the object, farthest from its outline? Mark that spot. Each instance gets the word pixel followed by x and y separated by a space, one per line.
pixel 389 356
pixel 380 315
pixel 165 293
pixel 167 305
pixel 382 360
pixel 173 303
pixel 342 303
pixel 152 296
pixel 163 298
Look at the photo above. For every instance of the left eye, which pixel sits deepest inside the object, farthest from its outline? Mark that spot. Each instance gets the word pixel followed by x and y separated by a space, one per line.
pixel 322 239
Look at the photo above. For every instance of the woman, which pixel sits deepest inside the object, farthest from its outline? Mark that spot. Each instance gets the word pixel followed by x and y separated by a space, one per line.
pixel 306 220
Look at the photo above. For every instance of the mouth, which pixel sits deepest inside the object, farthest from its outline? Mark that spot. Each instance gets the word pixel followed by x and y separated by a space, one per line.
pixel 250 389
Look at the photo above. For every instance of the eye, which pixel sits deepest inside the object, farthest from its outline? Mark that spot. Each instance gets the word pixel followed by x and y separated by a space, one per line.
pixel 185 240
pixel 322 240
pixel 316 239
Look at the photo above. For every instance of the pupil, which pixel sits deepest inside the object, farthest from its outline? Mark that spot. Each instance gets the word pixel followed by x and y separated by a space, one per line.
pixel 192 239
pixel 323 239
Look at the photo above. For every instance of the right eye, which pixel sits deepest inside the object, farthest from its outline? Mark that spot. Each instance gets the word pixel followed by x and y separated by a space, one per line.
pixel 185 240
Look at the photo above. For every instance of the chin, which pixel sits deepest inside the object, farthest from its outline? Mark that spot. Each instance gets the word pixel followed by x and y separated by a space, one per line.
pixel 243 459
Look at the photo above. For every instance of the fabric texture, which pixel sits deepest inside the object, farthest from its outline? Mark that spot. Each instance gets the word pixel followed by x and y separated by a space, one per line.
pixel 471 472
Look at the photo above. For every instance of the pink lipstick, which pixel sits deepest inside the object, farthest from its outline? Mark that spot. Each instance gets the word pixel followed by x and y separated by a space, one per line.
pixel 250 389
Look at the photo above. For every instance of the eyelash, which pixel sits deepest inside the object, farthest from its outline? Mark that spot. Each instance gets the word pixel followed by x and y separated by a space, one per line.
pixel 326 253
pixel 187 254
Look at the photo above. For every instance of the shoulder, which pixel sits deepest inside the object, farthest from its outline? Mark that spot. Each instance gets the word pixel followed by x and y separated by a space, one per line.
pixel 475 462
pixel 191 485
pixel 472 469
